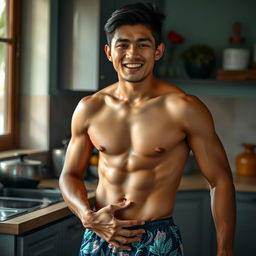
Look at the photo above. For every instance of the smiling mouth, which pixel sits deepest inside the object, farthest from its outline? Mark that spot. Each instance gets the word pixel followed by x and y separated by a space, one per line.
pixel 133 65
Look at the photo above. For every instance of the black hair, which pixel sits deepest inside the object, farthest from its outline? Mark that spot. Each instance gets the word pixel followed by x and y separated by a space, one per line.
pixel 140 13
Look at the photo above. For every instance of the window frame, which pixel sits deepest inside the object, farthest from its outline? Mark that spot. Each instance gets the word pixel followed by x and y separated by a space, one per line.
pixel 11 139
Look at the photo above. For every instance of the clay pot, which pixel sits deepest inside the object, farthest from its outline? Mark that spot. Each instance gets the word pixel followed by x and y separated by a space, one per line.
pixel 246 162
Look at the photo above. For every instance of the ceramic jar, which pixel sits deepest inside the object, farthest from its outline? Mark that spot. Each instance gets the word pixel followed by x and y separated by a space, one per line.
pixel 246 162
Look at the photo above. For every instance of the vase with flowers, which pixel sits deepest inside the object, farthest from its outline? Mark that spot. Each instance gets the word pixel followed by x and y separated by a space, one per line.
pixel 174 40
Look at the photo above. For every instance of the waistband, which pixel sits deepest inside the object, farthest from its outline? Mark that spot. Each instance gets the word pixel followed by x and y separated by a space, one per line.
pixel 156 223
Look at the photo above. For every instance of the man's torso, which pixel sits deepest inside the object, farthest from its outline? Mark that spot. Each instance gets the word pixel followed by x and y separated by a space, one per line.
pixel 143 150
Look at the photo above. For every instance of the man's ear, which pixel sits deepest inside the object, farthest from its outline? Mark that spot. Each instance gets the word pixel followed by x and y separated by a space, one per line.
pixel 108 52
pixel 159 51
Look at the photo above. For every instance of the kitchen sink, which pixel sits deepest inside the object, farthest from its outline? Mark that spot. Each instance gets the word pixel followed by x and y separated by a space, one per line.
pixel 10 213
pixel 17 201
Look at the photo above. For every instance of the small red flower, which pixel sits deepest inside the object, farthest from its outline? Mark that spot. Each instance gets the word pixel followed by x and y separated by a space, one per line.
pixel 175 37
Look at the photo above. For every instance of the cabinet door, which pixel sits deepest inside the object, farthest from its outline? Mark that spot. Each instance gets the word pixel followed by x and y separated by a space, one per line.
pixel 7 245
pixel 193 216
pixel 246 224
pixel 44 242
pixel 72 232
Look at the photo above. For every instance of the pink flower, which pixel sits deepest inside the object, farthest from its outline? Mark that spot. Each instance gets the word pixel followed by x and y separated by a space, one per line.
pixel 113 248
pixel 161 235
pixel 95 245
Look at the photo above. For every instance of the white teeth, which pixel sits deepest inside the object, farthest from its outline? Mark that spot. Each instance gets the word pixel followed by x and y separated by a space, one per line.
pixel 133 65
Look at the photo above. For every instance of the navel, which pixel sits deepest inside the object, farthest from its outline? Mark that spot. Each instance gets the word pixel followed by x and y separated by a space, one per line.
pixel 160 150
pixel 102 149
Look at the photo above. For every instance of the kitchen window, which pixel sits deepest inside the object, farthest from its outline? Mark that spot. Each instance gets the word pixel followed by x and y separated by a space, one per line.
pixel 9 63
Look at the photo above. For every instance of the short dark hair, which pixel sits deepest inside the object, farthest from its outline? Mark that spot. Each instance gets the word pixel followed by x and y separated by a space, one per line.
pixel 140 13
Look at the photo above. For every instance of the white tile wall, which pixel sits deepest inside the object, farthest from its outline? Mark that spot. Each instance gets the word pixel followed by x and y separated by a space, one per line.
pixel 235 123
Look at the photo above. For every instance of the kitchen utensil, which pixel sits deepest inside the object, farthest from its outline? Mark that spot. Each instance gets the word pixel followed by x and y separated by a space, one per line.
pixel 21 172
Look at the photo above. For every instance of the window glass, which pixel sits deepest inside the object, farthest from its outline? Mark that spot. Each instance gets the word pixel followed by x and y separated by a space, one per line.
pixel 3 90
pixel 3 18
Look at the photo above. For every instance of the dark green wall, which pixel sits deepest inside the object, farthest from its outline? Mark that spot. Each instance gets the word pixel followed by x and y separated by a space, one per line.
pixel 210 22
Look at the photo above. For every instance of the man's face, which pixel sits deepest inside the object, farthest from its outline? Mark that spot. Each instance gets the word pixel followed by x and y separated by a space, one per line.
pixel 133 52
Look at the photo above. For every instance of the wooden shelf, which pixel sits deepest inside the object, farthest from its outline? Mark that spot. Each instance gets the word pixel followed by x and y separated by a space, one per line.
pixel 216 88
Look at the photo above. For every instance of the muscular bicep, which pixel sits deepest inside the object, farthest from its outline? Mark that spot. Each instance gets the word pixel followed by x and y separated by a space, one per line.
pixel 205 143
pixel 80 146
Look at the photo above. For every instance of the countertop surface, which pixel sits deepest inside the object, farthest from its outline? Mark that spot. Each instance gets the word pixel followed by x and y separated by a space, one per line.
pixel 39 218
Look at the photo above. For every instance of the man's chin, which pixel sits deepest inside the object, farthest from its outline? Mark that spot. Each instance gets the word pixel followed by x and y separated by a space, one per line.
pixel 134 80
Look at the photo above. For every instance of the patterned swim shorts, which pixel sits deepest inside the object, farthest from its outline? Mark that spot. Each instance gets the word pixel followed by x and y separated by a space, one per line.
pixel 161 237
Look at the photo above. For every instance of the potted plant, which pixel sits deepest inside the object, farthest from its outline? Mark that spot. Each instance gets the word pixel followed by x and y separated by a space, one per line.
pixel 199 60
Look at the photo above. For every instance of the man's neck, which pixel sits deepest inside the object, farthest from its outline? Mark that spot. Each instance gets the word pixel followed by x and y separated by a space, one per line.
pixel 135 92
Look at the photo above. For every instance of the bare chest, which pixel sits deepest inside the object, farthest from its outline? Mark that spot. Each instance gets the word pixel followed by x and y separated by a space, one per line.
pixel 146 131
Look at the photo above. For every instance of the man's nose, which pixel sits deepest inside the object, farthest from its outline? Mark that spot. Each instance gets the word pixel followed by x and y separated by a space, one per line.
pixel 132 50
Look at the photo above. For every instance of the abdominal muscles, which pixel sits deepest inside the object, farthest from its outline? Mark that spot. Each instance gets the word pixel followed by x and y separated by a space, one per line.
pixel 151 191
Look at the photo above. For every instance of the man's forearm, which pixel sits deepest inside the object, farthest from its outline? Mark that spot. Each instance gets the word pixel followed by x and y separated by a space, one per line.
pixel 75 194
pixel 224 214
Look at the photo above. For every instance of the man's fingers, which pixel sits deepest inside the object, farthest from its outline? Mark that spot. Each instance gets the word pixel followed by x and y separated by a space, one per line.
pixel 130 223
pixel 126 240
pixel 130 233
pixel 118 206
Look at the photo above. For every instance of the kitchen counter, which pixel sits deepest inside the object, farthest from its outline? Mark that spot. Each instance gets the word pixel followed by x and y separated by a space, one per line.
pixel 60 210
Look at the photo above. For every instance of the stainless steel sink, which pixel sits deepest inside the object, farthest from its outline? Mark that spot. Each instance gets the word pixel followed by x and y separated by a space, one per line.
pixel 16 201
pixel 10 213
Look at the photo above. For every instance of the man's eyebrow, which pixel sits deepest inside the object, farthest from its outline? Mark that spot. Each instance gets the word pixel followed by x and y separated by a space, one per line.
pixel 123 40
pixel 144 39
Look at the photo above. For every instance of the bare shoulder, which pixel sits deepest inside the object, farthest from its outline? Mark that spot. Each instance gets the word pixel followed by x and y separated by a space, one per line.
pixel 92 104
pixel 187 109
pixel 185 103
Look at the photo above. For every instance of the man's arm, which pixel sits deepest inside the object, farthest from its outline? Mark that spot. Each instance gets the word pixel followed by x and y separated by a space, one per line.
pixel 71 182
pixel 213 163
pixel 77 156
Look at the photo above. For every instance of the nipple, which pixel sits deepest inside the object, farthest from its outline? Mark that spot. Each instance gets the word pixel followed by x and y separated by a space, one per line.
pixel 159 150
pixel 102 149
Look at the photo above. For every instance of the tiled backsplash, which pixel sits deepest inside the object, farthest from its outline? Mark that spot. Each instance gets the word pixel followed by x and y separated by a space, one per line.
pixel 61 110
pixel 235 123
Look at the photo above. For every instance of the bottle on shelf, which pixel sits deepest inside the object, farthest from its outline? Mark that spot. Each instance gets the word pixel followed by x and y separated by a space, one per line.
pixel 236 56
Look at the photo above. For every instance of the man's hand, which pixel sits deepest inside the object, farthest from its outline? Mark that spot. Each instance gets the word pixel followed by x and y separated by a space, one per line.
pixel 113 230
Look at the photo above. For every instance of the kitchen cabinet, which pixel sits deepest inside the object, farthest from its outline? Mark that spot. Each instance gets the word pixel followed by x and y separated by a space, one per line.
pixel 246 224
pixel 59 238
pixel 44 242
pixel 193 216
pixel 72 233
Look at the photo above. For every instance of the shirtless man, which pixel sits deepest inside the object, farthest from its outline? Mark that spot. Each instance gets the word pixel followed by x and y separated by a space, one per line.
pixel 144 129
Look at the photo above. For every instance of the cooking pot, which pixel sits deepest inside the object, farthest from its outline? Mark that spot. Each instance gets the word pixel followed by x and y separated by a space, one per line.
pixel 21 172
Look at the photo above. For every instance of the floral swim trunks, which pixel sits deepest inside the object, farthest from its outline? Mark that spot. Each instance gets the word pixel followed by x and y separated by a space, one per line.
pixel 161 237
